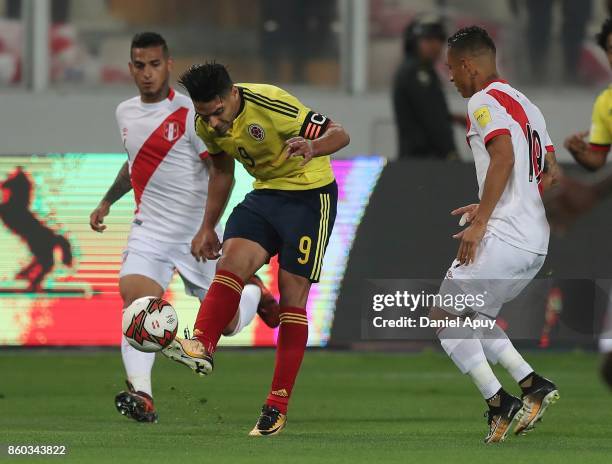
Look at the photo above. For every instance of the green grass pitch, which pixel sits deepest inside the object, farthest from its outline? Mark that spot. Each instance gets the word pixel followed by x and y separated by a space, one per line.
pixel 347 408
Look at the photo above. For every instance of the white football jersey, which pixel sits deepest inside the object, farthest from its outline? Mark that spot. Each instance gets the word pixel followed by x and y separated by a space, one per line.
pixel 169 177
pixel 519 217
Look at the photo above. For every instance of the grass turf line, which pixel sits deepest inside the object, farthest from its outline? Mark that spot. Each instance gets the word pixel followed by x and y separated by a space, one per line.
pixel 347 408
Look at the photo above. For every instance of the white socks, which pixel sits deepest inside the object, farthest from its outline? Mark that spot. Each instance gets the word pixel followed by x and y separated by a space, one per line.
pixel 484 378
pixel 471 350
pixel 514 363
pixel 249 301
pixel 499 349
pixel 138 366
pixel 466 352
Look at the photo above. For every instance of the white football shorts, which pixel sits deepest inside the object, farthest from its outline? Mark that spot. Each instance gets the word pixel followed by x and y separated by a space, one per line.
pixel 498 274
pixel 158 261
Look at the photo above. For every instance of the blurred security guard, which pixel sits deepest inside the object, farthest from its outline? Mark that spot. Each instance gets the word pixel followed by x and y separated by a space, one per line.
pixel 423 120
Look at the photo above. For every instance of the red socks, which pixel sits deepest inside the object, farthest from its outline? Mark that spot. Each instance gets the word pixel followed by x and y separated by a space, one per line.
pixel 290 347
pixel 218 308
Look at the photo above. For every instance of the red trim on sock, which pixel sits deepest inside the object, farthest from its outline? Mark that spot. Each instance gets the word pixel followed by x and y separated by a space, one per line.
pixel 218 308
pixel 290 347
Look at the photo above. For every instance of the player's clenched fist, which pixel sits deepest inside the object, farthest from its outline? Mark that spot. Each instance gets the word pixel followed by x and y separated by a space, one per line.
pixel 205 245
pixel 96 218
pixel 299 146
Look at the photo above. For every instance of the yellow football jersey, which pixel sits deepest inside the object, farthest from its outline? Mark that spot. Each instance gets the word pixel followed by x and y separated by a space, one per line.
pixel 600 136
pixel 268 117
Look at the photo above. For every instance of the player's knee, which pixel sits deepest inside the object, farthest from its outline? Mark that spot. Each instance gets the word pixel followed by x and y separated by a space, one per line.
pixel 293 290
pixel 294 295
pixel 133 287
pixel 293 301
pixel 238 267
pixel 129 297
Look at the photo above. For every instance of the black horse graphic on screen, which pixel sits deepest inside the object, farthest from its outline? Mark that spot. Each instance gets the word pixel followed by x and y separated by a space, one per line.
pixel 41 240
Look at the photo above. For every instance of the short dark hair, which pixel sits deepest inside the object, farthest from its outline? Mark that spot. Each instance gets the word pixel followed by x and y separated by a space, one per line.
pixel 206 81
pixel 602 36
pixel 148 40
pixel 423 26
pixel 471 39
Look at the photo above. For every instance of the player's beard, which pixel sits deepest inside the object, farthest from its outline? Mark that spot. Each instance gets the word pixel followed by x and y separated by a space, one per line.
pixel 157 95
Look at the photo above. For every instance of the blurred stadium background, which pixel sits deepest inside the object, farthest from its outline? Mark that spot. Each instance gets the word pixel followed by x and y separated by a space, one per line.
pixel 63 70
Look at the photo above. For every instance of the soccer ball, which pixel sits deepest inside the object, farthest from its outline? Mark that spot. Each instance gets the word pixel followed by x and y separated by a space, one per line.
pixel 149 324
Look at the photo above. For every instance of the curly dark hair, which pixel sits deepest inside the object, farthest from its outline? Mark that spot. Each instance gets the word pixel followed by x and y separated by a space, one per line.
pixel 602 36
pixel 471 38
pixel 206 81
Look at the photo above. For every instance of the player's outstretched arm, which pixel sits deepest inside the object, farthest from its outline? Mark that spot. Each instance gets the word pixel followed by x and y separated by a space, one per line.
pixel 206 244
pixel 335 138
pixel 582 152
pixel 500 168
pixel 120 187
pixel 573 198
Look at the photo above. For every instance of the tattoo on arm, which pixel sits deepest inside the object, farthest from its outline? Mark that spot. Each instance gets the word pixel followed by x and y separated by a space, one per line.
pixel 120 187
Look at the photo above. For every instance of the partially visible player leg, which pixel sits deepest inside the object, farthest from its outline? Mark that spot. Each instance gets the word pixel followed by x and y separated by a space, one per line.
pixel 499 349
pixel 537 392
pixel 240 259
pixel 464 348
pixel 268 308
pixel 146 271
pixel 197 277
pixel 248 243
pixel 252 301
pixel 247 308
pixel 305 224
pixel 137 402
pixel 290 347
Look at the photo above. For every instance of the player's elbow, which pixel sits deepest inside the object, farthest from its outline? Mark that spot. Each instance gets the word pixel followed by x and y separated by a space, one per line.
pixel 339 132
pixel 343 136
pixel 595 161
pixel 591 167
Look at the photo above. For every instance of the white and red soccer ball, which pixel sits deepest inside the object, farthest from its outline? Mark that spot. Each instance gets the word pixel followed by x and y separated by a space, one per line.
pixel 149 324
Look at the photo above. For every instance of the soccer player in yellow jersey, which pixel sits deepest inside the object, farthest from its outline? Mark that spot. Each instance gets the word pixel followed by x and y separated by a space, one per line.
pixel 286 147
pixel 575 198
pixel 593 155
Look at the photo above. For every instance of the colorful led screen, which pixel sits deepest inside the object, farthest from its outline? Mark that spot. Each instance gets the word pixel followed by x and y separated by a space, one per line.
pixel 58 278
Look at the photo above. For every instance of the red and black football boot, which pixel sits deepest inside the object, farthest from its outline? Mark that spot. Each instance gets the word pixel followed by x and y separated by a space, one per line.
pixel 136 405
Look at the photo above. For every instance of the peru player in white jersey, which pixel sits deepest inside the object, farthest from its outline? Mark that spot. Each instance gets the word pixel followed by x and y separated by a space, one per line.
pixel 506 241
pixel 167 168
